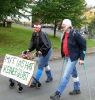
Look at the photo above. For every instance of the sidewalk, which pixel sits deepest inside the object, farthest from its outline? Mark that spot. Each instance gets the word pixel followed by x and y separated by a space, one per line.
pixel 55 55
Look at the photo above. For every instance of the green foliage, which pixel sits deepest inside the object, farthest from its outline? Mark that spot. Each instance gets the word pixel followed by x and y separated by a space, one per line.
pixel 91 28
pixel 11 8
pixel 56 10
pixel 53 11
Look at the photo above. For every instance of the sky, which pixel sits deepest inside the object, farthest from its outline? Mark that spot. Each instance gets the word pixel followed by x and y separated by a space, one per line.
pixel 90 2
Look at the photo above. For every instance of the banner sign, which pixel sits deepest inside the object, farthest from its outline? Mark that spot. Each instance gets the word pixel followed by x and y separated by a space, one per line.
pixel 18 69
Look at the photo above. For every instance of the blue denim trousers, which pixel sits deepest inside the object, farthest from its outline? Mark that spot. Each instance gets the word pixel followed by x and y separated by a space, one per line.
pixel 43 63
pixel 69 70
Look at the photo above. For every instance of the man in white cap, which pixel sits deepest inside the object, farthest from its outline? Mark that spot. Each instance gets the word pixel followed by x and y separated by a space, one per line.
pixel 73 47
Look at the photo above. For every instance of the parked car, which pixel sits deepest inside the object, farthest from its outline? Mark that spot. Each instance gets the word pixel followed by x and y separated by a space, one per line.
pixel 47 25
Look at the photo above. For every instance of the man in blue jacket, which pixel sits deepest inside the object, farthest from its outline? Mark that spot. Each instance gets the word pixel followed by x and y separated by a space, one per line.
pixel 73 48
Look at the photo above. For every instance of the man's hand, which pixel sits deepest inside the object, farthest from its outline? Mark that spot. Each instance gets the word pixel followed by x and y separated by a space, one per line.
pixel 28 50
pixel 81 62
pixel 39 53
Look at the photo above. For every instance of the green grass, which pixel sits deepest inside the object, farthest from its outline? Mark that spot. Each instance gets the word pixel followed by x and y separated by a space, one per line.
pixel 14 40
pixel 90 43
pixel 17 39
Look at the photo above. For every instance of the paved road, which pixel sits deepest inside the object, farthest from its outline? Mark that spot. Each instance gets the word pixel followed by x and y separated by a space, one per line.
pixel 48 88
pixel 51 31
pixel 48 30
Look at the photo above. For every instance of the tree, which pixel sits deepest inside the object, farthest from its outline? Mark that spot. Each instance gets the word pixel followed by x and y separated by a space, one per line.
pixel 53 11
pixel 11 8
pixel 91 28
pixel 89 14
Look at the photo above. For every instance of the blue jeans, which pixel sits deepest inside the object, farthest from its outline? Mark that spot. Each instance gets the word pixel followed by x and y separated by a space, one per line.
pixel 69 70
pixel 43 63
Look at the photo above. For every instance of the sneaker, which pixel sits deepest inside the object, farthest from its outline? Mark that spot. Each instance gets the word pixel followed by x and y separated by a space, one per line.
pixel 74 92
pixel 55 96
pixel 49 79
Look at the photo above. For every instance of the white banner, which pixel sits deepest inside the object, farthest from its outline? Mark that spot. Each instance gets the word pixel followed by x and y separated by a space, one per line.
pixel 18 69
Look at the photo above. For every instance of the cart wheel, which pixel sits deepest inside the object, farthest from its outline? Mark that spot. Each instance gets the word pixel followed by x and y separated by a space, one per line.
pixel 12 85
pixel 38 85
pixel 19 89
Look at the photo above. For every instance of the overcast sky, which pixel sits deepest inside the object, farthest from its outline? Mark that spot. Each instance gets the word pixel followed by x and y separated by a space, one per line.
pixel 91 2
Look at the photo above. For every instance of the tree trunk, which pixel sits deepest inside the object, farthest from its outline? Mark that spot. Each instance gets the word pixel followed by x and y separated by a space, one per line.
pixel 9 24
pixel 4 22
pixel 55 29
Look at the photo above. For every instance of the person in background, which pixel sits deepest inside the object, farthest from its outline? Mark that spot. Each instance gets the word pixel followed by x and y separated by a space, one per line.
pixel 73 48
pixel 41 42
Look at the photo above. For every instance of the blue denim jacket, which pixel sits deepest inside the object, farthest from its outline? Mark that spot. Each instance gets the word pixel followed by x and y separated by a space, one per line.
pixel 76 46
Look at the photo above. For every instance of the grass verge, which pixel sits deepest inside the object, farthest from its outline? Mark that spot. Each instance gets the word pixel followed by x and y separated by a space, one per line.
pixel 17 39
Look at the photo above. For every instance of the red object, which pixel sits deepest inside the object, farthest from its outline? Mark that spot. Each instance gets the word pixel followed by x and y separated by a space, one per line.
pixel 65 45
